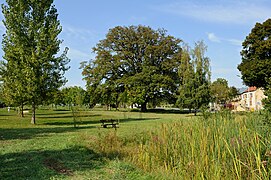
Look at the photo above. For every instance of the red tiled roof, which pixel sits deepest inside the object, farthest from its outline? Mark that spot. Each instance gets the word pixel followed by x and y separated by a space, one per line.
pixel 250 89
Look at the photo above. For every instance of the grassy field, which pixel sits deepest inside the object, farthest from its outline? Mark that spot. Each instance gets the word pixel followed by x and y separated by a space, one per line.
pixel 145 146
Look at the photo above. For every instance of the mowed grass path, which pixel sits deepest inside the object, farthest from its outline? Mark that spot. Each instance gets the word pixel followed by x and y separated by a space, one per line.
pixel 54 149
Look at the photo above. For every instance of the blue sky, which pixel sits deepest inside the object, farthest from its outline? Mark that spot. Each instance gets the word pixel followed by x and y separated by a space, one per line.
pixel 222 24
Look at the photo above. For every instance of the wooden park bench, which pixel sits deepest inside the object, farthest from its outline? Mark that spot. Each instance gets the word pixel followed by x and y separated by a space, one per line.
pixel 109 122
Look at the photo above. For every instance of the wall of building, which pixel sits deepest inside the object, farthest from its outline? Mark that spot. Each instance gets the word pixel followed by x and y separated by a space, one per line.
pixel 252 100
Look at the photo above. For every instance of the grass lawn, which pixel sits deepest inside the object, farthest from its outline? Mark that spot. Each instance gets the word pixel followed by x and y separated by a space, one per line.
pixel 162 145
pixel 54 149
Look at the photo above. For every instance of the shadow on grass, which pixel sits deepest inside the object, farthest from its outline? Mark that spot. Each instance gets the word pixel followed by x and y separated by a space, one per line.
pixel 67 116
pixel 58 123
pixel 7 114
pixel 83 122
pixel 49 164
pixel 164 111
pixel 28 133
pixel 62 110
pixel 54 113
pixel 137 119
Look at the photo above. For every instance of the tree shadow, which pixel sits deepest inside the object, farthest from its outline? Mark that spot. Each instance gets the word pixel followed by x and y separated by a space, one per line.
pixel 28 133
pixel 169 111
pixel 97 122
pixel 62 110
pixel 6 114
pixel 82 122
pixel 67 116
pixel 49 164
pixel 54 113
pixel 137 119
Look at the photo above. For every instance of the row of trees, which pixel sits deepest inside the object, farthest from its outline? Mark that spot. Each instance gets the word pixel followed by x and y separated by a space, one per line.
pixel 139 65
pixel 70 96
pixel 133 65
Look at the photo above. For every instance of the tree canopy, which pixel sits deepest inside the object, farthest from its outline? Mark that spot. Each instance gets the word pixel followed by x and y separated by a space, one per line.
pixel 220 91
pixel 31 72
pixel 73 96
pixel 256 56
pixel 134 62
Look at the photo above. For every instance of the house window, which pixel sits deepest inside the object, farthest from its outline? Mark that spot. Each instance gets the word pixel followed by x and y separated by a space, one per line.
pixel 251 95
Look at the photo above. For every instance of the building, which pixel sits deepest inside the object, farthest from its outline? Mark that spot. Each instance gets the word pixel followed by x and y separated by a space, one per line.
pixel 251 99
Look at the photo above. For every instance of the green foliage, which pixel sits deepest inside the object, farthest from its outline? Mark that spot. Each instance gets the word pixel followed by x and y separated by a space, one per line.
pixel 220 91
pixel 234 92
pixel 74 96
pixel 30 71
pixel 137 61
pixel 256 56
pixel 267 92
pixel 186 73
pixel 194 72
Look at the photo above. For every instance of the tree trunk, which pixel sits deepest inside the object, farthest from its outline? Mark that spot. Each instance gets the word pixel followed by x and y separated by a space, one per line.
pixel 22 110
pixel 144 107
pixel 33 120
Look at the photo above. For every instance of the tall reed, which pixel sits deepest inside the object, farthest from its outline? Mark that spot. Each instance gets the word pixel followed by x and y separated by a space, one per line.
pixel 217 146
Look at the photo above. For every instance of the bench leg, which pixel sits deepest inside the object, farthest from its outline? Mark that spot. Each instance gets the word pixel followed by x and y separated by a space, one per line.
pixel 114 126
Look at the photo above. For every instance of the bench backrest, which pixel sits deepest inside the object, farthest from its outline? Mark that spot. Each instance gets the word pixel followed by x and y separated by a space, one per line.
pixel 108 120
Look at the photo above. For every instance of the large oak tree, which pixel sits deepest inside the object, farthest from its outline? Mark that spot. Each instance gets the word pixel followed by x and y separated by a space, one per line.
pixel 256 56
pixel 136 62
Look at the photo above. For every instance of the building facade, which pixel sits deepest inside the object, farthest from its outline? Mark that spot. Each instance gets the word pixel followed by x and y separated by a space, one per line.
pixel 251 99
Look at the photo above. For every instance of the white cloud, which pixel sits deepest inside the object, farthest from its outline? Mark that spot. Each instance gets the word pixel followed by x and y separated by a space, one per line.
pixel 212 37
pixel 235 42
pixel 77 33
pixel 238 12
pixel 75 54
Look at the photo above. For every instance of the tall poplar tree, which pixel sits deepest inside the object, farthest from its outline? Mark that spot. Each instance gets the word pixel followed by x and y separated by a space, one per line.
pixel 202 79
pixel 194 73
pixel 31 71
pixel 186 74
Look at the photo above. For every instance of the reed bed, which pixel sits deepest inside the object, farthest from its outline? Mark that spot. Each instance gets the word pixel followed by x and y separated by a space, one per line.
pixel 212 146
pixel 219 146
